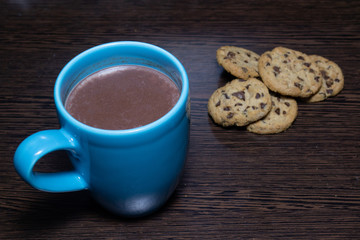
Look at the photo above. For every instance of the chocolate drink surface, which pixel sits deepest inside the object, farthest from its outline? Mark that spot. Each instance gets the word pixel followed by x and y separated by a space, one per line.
pixel 122 97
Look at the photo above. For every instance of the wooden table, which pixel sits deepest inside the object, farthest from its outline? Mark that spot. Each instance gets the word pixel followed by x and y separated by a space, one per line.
pixel 300 184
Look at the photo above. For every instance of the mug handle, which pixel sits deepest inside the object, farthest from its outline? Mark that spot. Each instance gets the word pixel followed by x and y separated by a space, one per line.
pixel 35 147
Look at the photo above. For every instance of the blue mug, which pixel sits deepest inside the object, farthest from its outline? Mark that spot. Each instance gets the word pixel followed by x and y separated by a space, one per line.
pixel 130 172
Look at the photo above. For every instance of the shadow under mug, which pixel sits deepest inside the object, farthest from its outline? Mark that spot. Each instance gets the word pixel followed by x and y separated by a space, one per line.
pixel 130 172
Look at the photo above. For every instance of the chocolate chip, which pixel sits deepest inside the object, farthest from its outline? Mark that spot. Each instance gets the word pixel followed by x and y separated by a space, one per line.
pixel 227 108
pixel 317 78
pixel 324 74
pixel 246 61
pixel 244 111
pixel 262 105
pixel 254 108
pixel 277 111
pixel 248 54
pixel 238 104
pixel 286 55
pixel 301 79
pixel 242 80
pixel 240 95
pixel 329 83
pixel 284 112
pixel 276 69
pixel 269 56
pixel 301 58
pixel 230 115
pixel 226 96
pixel 257 96
pixel 218 104
pixel 267 64
pixel 298 85
pixel 311 70
pixel 329 91
pixel 287 104
pixel 244 69
pixel 230 55
pixel 337 80
pixel 247 86
pixel 307 64
pixel 284 61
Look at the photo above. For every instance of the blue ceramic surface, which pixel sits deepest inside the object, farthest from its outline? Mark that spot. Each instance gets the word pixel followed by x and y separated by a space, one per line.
pixel 130 172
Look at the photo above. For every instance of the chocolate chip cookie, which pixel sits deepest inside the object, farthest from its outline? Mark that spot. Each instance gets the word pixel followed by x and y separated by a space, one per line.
pixel 282 115
pixel 330 75
pixel 289 72
pixel 239 102
pixel 239 62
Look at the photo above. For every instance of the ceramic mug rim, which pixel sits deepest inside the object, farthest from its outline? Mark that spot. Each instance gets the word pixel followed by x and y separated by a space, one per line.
pixel 123 132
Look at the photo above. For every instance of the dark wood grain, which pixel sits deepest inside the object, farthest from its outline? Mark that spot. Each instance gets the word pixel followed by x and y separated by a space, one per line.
pixel 300 184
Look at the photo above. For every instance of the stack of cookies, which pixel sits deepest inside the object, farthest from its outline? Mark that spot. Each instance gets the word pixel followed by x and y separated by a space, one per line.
pixel 263 95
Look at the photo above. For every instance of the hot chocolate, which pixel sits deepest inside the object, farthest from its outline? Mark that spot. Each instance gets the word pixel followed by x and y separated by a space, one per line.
pixel 122 97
